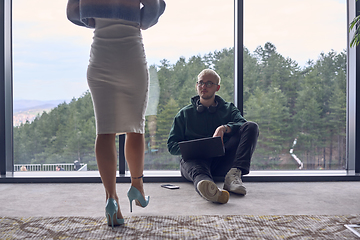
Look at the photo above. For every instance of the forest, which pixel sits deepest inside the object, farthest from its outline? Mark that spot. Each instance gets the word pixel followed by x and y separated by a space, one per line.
pixel 301 112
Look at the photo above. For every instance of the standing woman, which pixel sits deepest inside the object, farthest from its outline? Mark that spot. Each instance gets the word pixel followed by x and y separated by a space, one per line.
pixel 118 80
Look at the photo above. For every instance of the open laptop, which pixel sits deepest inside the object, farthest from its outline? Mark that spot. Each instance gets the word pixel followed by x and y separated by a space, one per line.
pixel 202 148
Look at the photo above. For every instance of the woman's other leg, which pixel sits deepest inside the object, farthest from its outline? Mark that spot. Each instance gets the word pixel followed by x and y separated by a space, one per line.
pixel 134 155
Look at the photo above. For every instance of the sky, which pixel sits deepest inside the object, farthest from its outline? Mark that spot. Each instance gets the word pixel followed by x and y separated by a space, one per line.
pixel 50 54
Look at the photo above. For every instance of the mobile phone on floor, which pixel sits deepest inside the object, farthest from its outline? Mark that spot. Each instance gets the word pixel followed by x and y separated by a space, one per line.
pixel 170 186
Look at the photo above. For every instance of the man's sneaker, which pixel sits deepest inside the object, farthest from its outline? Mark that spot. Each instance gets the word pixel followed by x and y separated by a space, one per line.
pixel 211 192
pixel 233 182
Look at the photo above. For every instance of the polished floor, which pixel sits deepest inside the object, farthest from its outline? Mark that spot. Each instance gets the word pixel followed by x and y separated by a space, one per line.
pixel 264 198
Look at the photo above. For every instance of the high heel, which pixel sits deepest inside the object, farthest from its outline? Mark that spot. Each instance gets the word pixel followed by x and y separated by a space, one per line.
pixel 134 194
pixel 111 210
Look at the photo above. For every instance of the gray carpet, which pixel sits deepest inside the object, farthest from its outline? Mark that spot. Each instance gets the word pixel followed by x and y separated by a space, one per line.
pixel 182 227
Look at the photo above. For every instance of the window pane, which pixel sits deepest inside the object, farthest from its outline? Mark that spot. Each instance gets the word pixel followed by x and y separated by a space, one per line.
pixel 53 114
pixel 295 82
pixel 178 48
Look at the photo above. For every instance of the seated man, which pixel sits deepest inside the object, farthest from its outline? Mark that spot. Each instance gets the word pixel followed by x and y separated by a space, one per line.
pixel 209 115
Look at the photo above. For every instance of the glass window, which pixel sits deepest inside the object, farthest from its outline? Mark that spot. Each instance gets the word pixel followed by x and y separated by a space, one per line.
pixel 295 82
pixel 54 125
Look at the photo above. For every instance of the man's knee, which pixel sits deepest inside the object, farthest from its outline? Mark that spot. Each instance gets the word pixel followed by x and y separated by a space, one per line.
pixel 252 127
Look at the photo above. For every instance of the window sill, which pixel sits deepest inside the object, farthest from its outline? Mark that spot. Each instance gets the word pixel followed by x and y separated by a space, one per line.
pixel 175 176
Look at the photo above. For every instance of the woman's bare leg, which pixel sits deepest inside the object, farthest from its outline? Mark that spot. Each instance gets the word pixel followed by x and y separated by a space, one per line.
pixel 134 154
pixel 106 157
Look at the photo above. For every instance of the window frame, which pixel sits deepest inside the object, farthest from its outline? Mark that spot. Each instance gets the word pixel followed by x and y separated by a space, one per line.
pixel 353 95
pixel 352 124
pixel 6 98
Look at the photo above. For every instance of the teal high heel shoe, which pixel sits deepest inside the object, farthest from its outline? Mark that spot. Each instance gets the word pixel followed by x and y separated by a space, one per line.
pixel 111 210
pixel 134 194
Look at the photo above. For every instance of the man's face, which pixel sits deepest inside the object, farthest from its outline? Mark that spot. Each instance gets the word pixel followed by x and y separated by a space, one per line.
pixel 203 87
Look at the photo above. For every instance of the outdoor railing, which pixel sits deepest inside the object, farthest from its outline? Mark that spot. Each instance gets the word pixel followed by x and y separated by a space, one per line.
pixel 50 167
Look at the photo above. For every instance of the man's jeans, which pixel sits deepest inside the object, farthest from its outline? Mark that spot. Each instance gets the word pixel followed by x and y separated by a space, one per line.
pixel 238 152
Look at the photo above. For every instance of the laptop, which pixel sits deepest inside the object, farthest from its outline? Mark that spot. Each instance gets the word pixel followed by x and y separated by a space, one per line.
pixel 202 148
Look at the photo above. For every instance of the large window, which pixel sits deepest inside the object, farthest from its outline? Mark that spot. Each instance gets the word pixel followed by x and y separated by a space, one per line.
pixel 293 82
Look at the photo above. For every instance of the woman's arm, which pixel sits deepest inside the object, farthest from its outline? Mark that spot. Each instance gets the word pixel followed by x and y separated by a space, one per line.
pixel 73 12
pixel 150 12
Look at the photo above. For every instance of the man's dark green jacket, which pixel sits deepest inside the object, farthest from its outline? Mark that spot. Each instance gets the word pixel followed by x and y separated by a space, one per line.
pixel 190 124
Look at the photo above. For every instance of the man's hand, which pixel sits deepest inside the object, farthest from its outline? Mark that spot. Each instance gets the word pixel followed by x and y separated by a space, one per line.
pixel 219 132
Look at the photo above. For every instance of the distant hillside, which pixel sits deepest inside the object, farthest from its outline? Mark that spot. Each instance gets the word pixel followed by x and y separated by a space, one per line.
pixel 29 109
pixel 25 105
pixel 62 135
pixel 30 115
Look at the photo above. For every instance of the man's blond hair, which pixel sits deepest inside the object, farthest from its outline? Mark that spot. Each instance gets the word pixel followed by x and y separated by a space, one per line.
pixel 210 72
